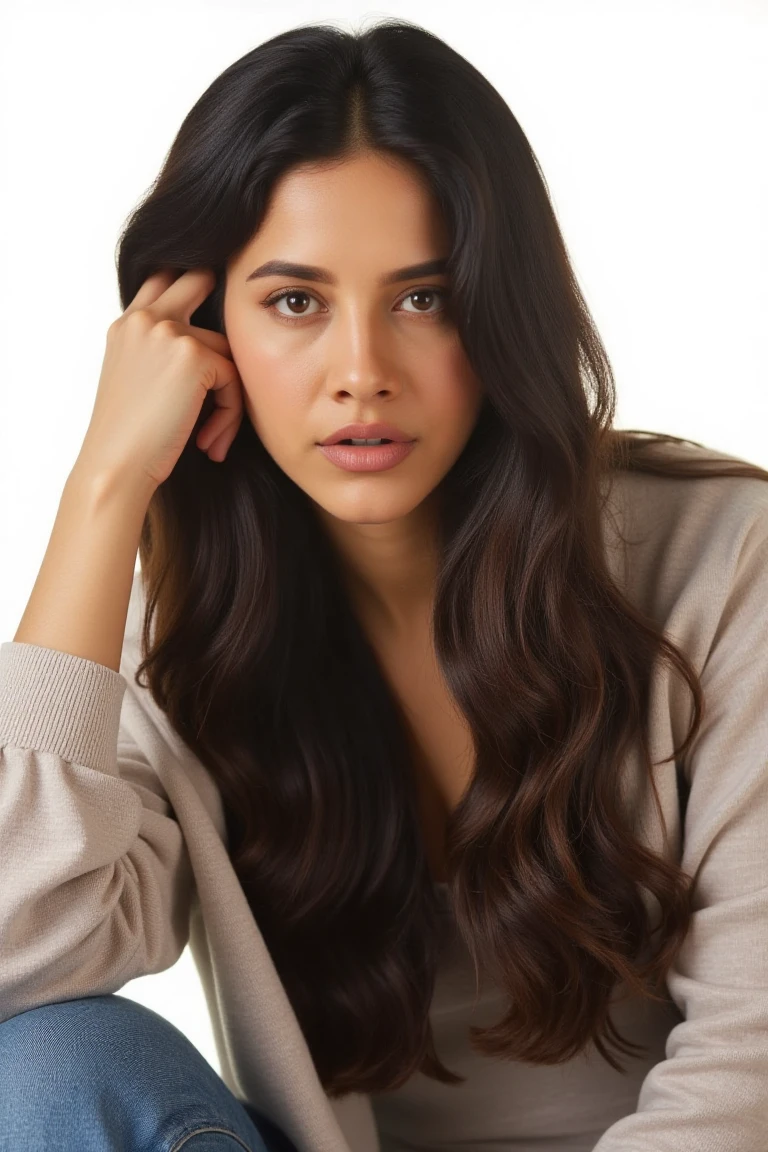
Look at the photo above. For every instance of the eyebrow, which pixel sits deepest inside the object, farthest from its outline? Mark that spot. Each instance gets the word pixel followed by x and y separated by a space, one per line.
pixel 323 276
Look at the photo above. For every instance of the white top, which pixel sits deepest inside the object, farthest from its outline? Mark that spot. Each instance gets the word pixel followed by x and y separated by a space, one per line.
pixel 505 1106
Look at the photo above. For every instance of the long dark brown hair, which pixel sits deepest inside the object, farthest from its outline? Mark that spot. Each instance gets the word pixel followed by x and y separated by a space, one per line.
pixel 254 652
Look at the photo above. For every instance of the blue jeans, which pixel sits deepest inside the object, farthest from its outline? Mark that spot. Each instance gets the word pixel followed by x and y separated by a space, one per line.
pixel 106 1074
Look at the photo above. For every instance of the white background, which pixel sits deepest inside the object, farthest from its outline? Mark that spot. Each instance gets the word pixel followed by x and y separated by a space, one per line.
pixel 650 121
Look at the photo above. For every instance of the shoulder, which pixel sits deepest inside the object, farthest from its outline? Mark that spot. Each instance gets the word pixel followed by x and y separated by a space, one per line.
pixel 665 506
pixel 679 544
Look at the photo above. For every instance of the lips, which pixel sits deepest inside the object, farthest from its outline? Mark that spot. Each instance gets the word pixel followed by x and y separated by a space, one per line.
pixel 367 458
pixel 377 431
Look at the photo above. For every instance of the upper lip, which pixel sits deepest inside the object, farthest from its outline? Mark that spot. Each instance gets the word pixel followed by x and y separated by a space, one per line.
pixel 367 432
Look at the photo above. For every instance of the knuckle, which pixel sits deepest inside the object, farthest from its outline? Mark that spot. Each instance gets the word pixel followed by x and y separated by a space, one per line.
pixel 134 323
pixel 165 327
pixel 187 346
pixel 140 318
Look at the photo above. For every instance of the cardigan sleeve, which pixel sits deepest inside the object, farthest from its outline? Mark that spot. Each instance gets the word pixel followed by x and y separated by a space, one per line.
pixel 95 878
pixel 710 1093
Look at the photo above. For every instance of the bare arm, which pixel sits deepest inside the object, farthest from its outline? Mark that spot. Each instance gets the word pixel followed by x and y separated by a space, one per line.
pixel 79 602
pixel 156 373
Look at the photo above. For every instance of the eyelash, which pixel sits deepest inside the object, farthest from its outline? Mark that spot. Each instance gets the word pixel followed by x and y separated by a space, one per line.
pixel 443 293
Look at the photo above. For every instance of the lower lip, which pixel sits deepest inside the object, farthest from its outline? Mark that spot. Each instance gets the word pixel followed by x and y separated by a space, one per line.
pixel 363 459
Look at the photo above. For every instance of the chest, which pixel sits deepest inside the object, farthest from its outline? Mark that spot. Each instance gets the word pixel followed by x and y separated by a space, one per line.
pixel 442 749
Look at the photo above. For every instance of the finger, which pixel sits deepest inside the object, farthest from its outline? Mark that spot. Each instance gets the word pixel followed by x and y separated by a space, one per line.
pixel 219 447
pixel 221 429
pixel 151 290
pixel 185 295
pixel 226 383
pixel 226 417
pixel 216 341
pixel 209 439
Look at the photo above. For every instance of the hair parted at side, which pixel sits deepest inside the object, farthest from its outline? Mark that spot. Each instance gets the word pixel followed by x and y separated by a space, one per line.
pixel 264 671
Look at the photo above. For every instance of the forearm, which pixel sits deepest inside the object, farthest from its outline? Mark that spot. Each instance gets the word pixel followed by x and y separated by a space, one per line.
pixel 79 602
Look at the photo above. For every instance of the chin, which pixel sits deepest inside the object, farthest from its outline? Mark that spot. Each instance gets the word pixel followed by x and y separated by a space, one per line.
pixel 367 510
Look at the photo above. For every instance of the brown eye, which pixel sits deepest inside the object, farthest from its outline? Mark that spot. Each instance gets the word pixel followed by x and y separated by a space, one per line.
pixel 289 294
pixel 430 293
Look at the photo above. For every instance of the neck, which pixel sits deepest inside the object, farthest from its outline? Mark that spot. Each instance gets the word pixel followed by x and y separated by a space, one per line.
pixel 389 569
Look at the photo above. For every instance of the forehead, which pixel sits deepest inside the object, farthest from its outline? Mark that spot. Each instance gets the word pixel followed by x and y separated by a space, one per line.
pixel 376 205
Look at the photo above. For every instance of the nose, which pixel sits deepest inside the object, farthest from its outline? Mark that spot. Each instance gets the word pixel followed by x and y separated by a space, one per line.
pixel 362 359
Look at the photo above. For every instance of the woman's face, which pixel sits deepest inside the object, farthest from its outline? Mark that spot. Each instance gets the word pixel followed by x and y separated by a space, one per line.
pixel 357 349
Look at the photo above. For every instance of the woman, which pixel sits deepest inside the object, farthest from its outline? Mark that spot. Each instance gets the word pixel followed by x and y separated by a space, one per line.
pixel 386 733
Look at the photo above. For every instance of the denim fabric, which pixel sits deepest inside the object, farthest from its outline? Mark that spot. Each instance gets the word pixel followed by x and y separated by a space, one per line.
pixel 105 1074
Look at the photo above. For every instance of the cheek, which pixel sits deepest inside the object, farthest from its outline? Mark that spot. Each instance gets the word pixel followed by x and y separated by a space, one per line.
pixel 258 389
pixel 277 405
pixel 458 390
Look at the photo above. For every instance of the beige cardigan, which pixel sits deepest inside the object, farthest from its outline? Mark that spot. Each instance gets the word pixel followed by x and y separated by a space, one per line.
pixel 113 855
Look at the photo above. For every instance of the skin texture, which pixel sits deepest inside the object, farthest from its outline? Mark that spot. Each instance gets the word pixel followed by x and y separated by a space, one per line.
pixel 352 351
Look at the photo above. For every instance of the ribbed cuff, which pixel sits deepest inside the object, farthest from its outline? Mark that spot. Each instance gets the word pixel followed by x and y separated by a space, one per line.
pixel 55 702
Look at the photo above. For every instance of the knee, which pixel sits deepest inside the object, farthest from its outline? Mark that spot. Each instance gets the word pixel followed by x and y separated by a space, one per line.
pixel 114 1068
pixel 79 1037
pixel 59 1064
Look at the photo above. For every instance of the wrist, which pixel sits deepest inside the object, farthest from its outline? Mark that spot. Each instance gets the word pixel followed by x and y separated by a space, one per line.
pixel 101 487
